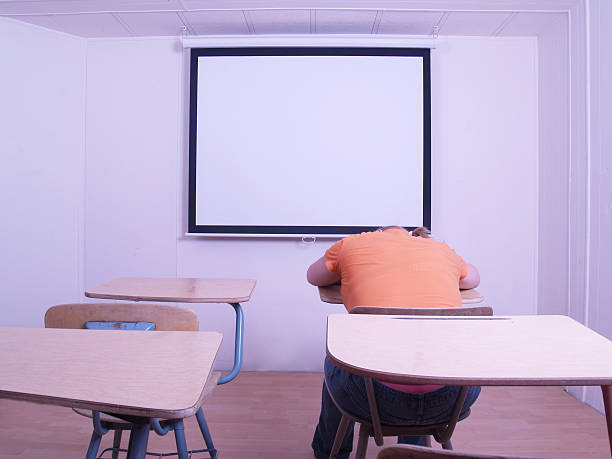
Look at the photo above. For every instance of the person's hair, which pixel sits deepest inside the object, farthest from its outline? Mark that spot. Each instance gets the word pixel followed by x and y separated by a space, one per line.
pixel 421 232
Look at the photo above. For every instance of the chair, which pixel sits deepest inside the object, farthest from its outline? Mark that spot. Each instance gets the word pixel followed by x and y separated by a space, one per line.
pixel 135 316
pixel 418 452
pixel 441 432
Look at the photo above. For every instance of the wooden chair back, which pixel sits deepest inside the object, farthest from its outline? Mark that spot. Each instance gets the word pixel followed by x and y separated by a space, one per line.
pixel 165 318
pixel 456 311
pixel 419 452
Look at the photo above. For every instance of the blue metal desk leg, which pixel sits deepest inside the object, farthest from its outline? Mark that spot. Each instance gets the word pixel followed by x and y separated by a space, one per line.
pixel 139 436
pixel 237 346
pixel 238 339
pixel 179 435
pixel 96 436
pixel 206 434
pixel 116 444
pixel 94 445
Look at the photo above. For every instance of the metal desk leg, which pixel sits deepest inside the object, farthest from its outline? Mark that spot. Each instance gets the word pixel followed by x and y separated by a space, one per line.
pixel 206 433
pixel 238 339
pixel 179 434
pixel 96 436
pixel 607 399
pixel 139 437
pixel 237 346
pixel 94 445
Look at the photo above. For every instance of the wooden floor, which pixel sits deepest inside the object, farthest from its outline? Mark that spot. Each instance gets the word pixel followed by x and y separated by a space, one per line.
pixel 273 415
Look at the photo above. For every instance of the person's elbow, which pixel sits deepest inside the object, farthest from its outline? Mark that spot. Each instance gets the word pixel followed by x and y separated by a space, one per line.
pixel 319 276
pixel 471 280
pixel 311 277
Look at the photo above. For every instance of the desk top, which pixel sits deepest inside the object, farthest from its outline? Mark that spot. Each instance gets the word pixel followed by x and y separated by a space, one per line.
pixel 178 290
pixel 498 350
pixel 331 294
pixel 123 372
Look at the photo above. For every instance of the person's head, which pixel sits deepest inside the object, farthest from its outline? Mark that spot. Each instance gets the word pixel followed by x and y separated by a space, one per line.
pixel 418 232
pixel 421 232
pixel 385 228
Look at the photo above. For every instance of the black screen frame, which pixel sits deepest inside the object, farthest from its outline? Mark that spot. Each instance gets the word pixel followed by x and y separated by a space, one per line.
pixel 279 230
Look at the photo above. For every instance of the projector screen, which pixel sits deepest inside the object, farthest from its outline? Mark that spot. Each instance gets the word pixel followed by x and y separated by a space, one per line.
pixel 308 141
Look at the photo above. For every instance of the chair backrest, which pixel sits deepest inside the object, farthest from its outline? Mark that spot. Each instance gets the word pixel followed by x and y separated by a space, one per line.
pixel 419 452
pixel 456 311
pixel 165 318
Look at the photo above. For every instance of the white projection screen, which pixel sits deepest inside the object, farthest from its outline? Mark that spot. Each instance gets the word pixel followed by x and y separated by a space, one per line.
pixel 308 141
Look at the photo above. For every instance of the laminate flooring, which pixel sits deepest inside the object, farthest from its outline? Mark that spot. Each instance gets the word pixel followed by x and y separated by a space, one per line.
pixel 273 415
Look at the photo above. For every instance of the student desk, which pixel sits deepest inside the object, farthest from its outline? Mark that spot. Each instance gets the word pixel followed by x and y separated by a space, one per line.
pixel 185 290
pixel 331 294
pixel 80 369
pixel 473 351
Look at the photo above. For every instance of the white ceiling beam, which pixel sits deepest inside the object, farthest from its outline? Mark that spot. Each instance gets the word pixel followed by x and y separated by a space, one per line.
pixel 39 7
pixel 403 5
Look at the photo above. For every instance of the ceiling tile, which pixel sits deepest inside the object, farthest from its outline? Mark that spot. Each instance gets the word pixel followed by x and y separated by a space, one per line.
pixel 409 22
pixel 151 24
pixel 216 22
pixel 112 18
pixel 39 7
pixel 280 21
pixel 344 21
pixel 476 23
pixel 91 25
pixel 531 24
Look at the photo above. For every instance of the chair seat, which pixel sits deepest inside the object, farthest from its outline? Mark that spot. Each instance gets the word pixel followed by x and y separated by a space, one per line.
pixel 104 417
pixel 441 432
pixel 391 430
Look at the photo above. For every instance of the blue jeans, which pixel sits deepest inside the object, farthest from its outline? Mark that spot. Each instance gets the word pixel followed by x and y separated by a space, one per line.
pixel 395 407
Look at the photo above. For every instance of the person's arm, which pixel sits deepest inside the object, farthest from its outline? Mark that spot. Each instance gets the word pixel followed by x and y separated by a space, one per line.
pixel 471 280
pixel 319 275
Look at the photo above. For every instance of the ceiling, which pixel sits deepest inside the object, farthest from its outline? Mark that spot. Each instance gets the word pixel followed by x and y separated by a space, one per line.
pixel 137 18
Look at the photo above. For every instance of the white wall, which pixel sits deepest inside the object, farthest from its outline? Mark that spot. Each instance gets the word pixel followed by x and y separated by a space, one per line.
pixel 485 196
pixel 599 313
pixel 42 94
pixel 132 159
pixel 485 163
pixel 578 162
pixel 553 174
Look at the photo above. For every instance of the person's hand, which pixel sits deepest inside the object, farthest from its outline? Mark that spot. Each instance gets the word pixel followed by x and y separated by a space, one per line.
pixel 471 280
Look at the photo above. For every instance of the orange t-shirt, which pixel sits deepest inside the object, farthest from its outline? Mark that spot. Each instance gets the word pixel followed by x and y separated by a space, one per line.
pixel 394 269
